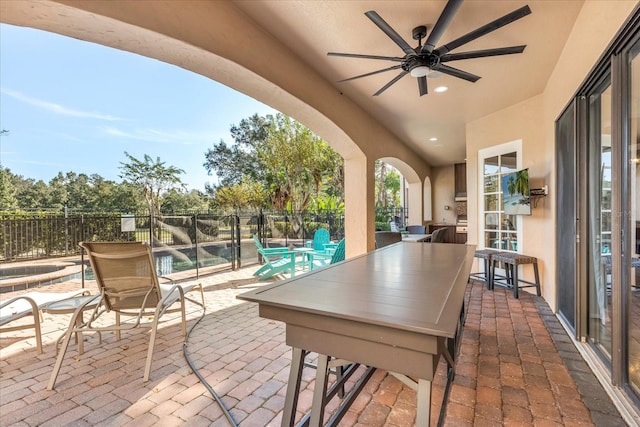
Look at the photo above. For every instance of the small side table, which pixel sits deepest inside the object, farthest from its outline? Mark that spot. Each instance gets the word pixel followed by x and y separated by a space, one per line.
pixel 69 306
pixel 307 256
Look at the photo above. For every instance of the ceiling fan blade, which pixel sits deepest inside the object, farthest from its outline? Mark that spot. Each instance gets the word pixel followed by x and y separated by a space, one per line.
pixel 395 67
pixel 482 53
pixel 485 29
pixel 388 85
pixel 458 73
pixel 441 25
pixel 393 35
pixel 356 55
pixel 422 85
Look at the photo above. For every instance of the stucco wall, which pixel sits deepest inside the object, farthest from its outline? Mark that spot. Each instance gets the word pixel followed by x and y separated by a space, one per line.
pixel 533 121
pixel 442 195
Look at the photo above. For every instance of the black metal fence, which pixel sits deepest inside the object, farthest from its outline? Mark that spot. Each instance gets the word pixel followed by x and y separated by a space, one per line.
pixel 180 242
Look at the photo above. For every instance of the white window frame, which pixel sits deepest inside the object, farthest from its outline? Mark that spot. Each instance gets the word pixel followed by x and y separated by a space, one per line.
pixel 497 150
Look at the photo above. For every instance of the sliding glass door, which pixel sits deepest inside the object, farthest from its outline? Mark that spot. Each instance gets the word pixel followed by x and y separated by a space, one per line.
pixel 632 267
pixel 599 221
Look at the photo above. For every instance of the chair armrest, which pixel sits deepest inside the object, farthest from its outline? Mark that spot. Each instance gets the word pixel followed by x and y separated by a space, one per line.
pixel 281 252
pixel 27 307
pixel 320 255
pixel 274 250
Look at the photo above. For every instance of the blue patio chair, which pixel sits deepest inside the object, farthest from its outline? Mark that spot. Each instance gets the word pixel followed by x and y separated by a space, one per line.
pixel 322 260
pixel 277 260
pixel 320 238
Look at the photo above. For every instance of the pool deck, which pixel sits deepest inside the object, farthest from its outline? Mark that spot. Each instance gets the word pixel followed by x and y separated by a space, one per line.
pixel 515 368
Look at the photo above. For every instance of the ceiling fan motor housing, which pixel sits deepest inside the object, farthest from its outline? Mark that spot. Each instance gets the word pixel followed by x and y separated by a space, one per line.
pixel 429 60
pixel 421 61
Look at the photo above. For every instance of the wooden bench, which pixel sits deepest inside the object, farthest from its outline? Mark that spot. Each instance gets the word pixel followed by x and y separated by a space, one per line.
pixel 511 263
pixel 486 275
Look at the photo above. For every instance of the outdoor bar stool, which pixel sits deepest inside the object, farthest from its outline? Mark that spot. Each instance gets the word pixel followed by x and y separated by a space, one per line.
pixel 511 262
pixel 486 275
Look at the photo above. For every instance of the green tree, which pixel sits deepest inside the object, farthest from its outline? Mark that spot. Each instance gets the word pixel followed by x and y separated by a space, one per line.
pixel 183 201
pixel 247 194
pixel 380 189
pixel 392 185
pixel 231 164
pixel 8 198
pixel 109 196
pixel 293 165
pixel 297 163
pixel 387 187
pixel 152 178
pixel 70 189
pixel 31 194
pixel 58 195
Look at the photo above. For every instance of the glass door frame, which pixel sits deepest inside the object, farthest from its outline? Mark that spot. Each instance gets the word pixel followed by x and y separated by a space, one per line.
pixel 614 66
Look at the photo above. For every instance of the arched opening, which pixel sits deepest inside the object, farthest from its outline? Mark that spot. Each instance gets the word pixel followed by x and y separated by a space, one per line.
pixel 411 189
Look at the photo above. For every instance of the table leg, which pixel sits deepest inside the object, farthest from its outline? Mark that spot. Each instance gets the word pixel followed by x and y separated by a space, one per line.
pixel 79 339
pixel 319 391
pixel 293 387
pixel 424 403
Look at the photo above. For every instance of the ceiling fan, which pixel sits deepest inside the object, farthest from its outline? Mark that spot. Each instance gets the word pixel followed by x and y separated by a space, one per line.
pixel 426 59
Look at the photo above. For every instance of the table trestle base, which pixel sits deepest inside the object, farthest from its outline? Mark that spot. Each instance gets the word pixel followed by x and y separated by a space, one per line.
pixel 321 396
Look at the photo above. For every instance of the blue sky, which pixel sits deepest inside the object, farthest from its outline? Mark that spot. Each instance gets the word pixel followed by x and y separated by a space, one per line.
pixel 76 106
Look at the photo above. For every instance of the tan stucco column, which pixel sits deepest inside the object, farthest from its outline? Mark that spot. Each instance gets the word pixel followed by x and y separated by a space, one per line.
pixel 359 217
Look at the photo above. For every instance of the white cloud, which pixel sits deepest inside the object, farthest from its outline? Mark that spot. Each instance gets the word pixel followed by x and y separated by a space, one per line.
pixel 156 135
pixel 56 108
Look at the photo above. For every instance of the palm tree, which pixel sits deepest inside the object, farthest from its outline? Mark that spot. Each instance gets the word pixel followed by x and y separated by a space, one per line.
pixel 511 185
pixel 522 182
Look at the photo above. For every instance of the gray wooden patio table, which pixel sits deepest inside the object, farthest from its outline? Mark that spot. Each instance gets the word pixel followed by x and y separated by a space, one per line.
pixel 397 308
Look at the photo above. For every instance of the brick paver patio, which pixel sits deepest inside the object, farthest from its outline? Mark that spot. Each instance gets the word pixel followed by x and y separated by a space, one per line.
pixel 509 371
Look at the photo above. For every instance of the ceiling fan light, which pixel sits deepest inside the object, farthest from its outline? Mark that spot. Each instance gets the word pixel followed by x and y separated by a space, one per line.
pixel 420 71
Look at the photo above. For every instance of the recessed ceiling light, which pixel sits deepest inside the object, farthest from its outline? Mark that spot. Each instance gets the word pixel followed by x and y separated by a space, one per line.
pixel 441 89
pixel 433 139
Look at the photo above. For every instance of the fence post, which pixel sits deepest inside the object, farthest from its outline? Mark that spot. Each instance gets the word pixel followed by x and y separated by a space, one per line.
pixel 195 238
pixel 82 239
pixel 261 227
pixel 151 229
pixel 66 230
pixel 239 247
pixel 261 232
pixel 286 229
pixel 232 220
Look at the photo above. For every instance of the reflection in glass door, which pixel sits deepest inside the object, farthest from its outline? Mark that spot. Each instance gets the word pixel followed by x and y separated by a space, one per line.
pixel 633 269
pixel 501 230
pixel 599 254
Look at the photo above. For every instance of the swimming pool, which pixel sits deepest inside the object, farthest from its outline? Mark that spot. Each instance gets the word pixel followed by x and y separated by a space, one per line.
pixel 171 260
pixel 21 276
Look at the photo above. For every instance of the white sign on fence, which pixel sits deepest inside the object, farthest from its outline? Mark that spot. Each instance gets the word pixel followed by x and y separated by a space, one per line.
pixel 128 223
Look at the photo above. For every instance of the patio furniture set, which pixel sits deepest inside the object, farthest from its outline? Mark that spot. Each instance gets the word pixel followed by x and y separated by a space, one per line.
pixel 129 286
pixel 340 332
pixel 317 254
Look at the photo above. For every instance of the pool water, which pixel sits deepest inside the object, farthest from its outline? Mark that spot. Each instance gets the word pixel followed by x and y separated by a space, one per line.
pixel 176 261
pixel 30 270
